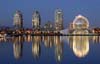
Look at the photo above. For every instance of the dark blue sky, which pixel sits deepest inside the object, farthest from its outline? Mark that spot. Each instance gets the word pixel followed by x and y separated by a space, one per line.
pixel 71 8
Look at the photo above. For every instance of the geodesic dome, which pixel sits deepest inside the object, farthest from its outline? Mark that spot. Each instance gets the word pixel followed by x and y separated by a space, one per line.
pixel 80 22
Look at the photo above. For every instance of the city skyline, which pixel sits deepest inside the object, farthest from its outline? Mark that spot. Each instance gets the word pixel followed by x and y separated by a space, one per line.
pixel 36 23
pixel 70 9
pixel 49 31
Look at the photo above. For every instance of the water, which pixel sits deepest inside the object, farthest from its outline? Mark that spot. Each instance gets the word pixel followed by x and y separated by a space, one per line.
pixel 50 50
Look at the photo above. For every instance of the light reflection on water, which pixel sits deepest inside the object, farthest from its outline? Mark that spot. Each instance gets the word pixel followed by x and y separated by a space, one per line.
pixel 78 47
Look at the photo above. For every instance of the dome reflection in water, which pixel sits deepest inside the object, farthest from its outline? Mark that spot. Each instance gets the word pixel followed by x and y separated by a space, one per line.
pixel 80 44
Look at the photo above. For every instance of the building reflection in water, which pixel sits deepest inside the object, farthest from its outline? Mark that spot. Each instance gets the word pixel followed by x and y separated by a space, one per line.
pixel 80 44
pixel 96 39
pixel 48 41
pixel 2 40
pixel 58 48
pixel 36 47
pixel 28 38
pixel 18 46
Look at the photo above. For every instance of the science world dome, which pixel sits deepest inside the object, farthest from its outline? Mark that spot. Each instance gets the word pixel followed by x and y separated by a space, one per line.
pixel 80 22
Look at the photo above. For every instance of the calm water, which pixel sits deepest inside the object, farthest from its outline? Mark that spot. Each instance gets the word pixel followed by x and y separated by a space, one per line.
pixel 50 50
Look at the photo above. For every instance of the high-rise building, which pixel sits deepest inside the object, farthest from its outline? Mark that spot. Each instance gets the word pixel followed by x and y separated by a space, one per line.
pixel 48 26
pixel 58 20
pixel 18 20
pixel 36 20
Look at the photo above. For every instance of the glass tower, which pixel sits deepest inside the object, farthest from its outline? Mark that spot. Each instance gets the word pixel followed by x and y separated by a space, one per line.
pixel 36 20
pixel 58 20
pixel 18 20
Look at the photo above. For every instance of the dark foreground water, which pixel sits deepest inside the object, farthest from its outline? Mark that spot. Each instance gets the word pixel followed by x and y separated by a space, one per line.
pixel 50 50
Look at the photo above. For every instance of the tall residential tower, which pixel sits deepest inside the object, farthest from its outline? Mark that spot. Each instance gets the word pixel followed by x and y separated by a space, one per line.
pixel 36 20
pixel 18 20
pixel 58 19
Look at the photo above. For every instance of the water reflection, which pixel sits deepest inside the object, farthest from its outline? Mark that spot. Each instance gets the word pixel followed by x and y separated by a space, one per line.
pixel 78 44
pixel 17 46
pixel 28 38
pixel 48 41
pixel 36 48
pixel 2 40
pixel 58 48
pixel 96 39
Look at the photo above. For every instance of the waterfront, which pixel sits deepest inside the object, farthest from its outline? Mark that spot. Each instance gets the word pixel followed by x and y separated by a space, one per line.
pixel 50 50
pixel 49 32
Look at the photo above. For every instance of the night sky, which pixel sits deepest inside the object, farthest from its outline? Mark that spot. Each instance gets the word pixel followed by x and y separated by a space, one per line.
pixel 71 8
